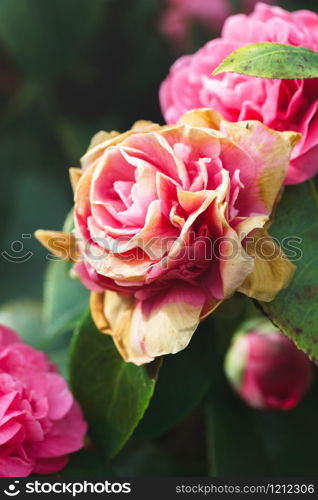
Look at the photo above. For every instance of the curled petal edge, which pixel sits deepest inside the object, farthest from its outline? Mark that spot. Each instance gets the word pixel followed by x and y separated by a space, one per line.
pixel 60 244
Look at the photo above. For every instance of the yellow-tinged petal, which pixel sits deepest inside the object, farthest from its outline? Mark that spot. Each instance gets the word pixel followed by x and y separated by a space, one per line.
pixel 144 124
pixel 202 118
pixel 119 310
pixel 270 151
pixel 292 137
pixel 81 194
pixel 251 223
pixel 75 175
pixel 272 270
pixel 235 263
pixel 97 312
pixel 169 326
pixel 62 245
pixel 102 136
pixel 141 336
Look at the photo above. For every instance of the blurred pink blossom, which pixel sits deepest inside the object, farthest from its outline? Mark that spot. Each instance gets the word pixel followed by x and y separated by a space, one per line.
pixel 178 15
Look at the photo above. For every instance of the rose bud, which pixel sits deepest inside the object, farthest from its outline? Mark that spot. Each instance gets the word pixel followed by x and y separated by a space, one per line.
pixel 40 423
pixel 172 220
pixel 265 368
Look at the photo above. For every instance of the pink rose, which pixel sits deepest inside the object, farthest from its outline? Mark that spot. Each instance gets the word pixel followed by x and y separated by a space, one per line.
pixel 40 423
pixel 162 216
pixel 280 104
pixel 266 368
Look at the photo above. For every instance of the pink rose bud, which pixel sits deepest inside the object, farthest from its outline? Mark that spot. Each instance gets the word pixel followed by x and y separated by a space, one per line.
pixel 40 423
pixel 265 368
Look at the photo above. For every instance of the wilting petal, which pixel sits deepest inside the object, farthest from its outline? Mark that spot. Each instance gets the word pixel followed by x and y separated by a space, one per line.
pixel 161 325
pixel 246 226
pixel 235 263
pixel 165 324
pixel 202 118
pixel 144 124
pixel 119 311
pixel 75 175
pixel 97 311
pixel 81 195
pixel 272 269
pixel 270 151
pixel 62 245
pixel 101 137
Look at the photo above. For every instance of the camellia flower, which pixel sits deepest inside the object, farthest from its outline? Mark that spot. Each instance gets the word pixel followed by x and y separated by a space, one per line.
pixel 265 368
pixel 170 221
pixel 280 104
pixel 40 423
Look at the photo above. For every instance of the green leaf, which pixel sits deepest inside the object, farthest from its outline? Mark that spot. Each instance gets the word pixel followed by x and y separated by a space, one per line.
pixel 25 317
pixel 271 60
pixel 113 394
pixel 184 380
pixel 65 299
pixel 295 310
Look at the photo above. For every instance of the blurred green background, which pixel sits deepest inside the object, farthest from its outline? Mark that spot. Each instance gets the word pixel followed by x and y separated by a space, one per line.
pixel 67 69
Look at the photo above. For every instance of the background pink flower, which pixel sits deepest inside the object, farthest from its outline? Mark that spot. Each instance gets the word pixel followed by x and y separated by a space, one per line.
pixel 266 368
pixel 40 423
pixel 280 104
pixel 178 15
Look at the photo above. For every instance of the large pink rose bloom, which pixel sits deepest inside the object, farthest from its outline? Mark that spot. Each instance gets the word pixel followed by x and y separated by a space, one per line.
pixel 280 104
pixel 40 423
